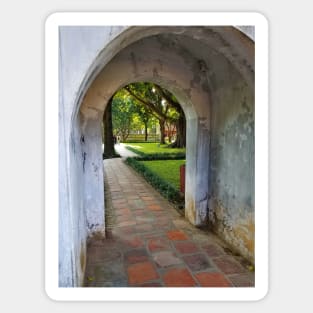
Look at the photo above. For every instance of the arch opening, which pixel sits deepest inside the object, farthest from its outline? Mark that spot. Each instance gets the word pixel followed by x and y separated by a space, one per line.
pixel 149 120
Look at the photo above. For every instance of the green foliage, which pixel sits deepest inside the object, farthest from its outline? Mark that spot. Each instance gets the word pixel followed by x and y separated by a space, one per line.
pixel 145 149
pixel 169 170
pixel 155 101
pixel 163 175
pixel 122 114
pixel 160 156
pixel 168 190
pixel 141 106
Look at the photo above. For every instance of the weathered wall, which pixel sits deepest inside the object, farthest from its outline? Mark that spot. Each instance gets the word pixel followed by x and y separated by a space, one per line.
pixel 209 69
pixel 78 48
pixel 231 187
pixel 232 165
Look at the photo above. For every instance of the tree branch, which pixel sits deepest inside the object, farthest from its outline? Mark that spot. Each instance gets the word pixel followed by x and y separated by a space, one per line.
pixel 160 114
pixel 173 103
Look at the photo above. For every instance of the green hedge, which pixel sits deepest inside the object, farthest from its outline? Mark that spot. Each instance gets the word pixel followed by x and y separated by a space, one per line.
pixel 135 150
pixel 165 188
pixel 158 156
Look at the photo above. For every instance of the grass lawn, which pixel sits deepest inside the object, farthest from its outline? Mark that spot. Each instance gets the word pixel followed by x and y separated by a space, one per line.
pixel 166 169
pixel 152 148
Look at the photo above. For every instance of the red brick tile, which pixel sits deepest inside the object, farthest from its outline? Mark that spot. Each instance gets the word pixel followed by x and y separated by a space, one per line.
pixel 115 189
pixel 136 256
pixel 124 230
pixel 144 228
pixel 212 280
pixel 163 227
pixel 154 207
pixel 166 259
pixel 139 212
pixel 144 219
pixel 242 280
pixel 150 202
pixel 104 255
pixel 197 262
pixel 160 214
pixel 119 201
pixel 163 222
pixel 136 204
pixel 145 198
pixel 186 247
pixel 176 235
pixel 132 197
pixel 228 265
pixel 134 242
pixel 119 206
pixel 158 244
pixel 178 277
pixel 122 211
pixel 213 250
pixel 148 236
pixel 141 272
pixel 126 223
pixel 117 196
pixel 123 218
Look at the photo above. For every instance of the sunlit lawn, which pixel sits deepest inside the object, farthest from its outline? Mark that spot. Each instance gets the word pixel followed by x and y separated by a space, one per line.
pixel 152 147
pixel 166 169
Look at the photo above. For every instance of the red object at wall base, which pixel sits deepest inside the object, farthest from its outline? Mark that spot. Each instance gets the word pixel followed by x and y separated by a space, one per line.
pixel 182 177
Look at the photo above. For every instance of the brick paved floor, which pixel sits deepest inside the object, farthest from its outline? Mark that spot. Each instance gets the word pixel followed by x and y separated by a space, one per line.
pixel 149 243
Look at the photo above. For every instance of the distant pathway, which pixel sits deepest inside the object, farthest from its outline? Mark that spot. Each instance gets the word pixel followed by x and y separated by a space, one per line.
pixel 123 151
pixel 148 243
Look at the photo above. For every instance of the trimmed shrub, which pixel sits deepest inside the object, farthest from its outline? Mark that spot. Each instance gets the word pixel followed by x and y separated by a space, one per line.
pixel 135 150
pixel 162 152
pixel 161 156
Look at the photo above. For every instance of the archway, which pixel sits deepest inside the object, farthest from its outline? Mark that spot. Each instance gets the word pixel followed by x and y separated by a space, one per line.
pixel 209 69
pixel 139 62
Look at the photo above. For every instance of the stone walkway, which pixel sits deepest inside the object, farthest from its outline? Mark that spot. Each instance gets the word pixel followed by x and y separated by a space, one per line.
pixel 149 244
pixel 123 151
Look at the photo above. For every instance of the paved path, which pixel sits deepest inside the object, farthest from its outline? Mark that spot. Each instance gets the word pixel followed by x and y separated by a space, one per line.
pixel 123 151
pixel 149 244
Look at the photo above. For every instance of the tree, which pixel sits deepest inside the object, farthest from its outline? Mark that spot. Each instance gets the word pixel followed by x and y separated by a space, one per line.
pixel 138 105
pixel 144 116
pixel 123 110
pixel 171 128
pixel 161 104
pixel 144 94
pixel 180 141
pixel 180 119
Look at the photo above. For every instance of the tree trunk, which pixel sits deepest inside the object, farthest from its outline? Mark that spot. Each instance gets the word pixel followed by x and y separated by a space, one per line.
pixel 162 131
pixel 180 141
pixel 146 132
pixel 169 131
pixel 108 132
